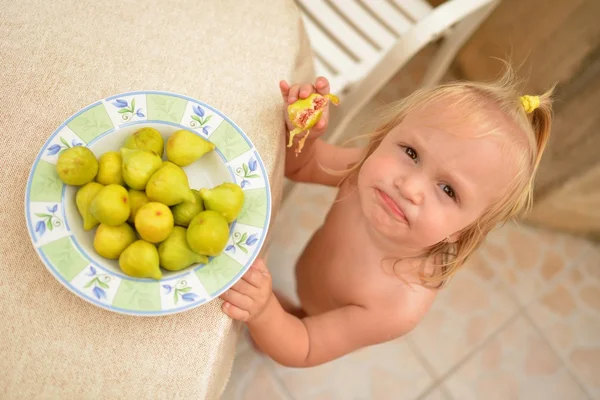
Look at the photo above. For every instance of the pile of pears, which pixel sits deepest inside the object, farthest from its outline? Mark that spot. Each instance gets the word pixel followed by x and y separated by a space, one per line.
pixel 144 211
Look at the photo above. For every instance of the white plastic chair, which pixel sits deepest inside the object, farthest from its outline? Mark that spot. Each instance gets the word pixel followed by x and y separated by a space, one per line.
pixel 361 44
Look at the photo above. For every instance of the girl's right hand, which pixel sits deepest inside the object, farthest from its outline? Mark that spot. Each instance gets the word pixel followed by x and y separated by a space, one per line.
pixel 297 91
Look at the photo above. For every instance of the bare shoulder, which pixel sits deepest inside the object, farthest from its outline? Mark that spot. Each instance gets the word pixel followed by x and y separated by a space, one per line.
pixel 403 305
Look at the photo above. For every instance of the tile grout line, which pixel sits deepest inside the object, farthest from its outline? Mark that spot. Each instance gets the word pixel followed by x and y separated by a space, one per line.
pixel 557 353
pixel 573 264
pixel 444 377
pixel 429 369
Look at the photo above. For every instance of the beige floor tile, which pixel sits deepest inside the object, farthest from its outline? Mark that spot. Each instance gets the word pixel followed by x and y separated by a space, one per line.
pixel 251 377
pixel 435 394
pixel 474 305
pixel 516 364
pixel 569 315
pixel 386 371
pixel 528 260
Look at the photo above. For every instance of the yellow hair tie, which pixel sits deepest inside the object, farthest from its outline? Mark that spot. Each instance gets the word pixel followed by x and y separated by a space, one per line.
pixel 530 103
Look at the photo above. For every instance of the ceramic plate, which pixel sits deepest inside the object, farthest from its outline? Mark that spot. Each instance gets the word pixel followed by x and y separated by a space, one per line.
pixel 67 250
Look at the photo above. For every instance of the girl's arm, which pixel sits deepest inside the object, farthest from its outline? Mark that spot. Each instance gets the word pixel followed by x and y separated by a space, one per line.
pixel 313 340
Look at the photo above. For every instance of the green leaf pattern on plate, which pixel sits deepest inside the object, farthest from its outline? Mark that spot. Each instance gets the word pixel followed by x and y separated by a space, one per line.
pixel 133 295
pixel 46 185
pixel 65 257
pixel 165 108
pixel 91 123
pixel 254 210
pixel 229 142
pixel 218 272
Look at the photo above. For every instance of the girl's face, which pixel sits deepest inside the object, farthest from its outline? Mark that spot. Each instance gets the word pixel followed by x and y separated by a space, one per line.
pixel 431 177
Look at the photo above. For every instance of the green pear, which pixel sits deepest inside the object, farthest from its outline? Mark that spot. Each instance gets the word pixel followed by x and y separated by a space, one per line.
pixel 175 253
pixel 169 185
pixel 111 205
pixel 185 147
pixel 77 166
pixel 208 233
pixel 185 211
pixel 138 167
pixel 140 260
pixel 110 241
pixel 154 222
pixel 110 167
pixel 227 199
pixel 83 199
pixel 137 199
pixel 148 139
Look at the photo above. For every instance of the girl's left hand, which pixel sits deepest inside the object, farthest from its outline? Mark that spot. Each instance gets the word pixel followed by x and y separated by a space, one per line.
pixel 249 296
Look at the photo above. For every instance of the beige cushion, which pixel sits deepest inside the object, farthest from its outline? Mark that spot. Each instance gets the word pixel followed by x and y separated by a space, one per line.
pixel 58 56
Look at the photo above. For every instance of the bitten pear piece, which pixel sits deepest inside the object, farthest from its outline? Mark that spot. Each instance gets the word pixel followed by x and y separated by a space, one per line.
pixel 305 113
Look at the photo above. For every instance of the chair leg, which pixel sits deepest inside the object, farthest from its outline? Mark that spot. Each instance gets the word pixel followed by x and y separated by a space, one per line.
pixel 452 44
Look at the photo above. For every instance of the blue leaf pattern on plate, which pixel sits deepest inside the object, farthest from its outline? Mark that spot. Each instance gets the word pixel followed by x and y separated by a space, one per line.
pixel 247 172
pixel 99 293
pixel 251 239
pixel 54 149
pixel 198 111
pixel 40 228
pixel 53 208
pixel 168 287
pixel 242 241
pixel 92 271
pixel 189 297
pixel 120 103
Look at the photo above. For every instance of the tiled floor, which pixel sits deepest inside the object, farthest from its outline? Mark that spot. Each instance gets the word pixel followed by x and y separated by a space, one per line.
pixel 521 321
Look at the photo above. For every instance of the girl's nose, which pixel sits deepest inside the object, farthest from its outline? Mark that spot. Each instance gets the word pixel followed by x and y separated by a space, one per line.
pixel 412 188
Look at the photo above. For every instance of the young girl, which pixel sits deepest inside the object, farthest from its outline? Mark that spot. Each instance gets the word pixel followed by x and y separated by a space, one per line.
pixel 449 164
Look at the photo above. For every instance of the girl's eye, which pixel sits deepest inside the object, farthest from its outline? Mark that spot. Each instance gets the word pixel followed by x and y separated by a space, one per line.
pixel 449 191
pixel 411 153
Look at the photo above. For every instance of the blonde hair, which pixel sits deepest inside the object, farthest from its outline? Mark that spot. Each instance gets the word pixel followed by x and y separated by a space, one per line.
pixel 505 94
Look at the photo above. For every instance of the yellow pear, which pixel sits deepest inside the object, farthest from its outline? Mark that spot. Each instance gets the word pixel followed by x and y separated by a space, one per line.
pixel 208 233
pixel 111 205
pixel 138 167
pixel 140 260
pixel 148 139
pixel 175 253
pixel 227 199
pixel 83 199
pixel 110 241
pixel 77 166
pixel 185 211
pixel 110 167
pixel 185 147
pixel 154 222
pixel 137 199
pixel 169 185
